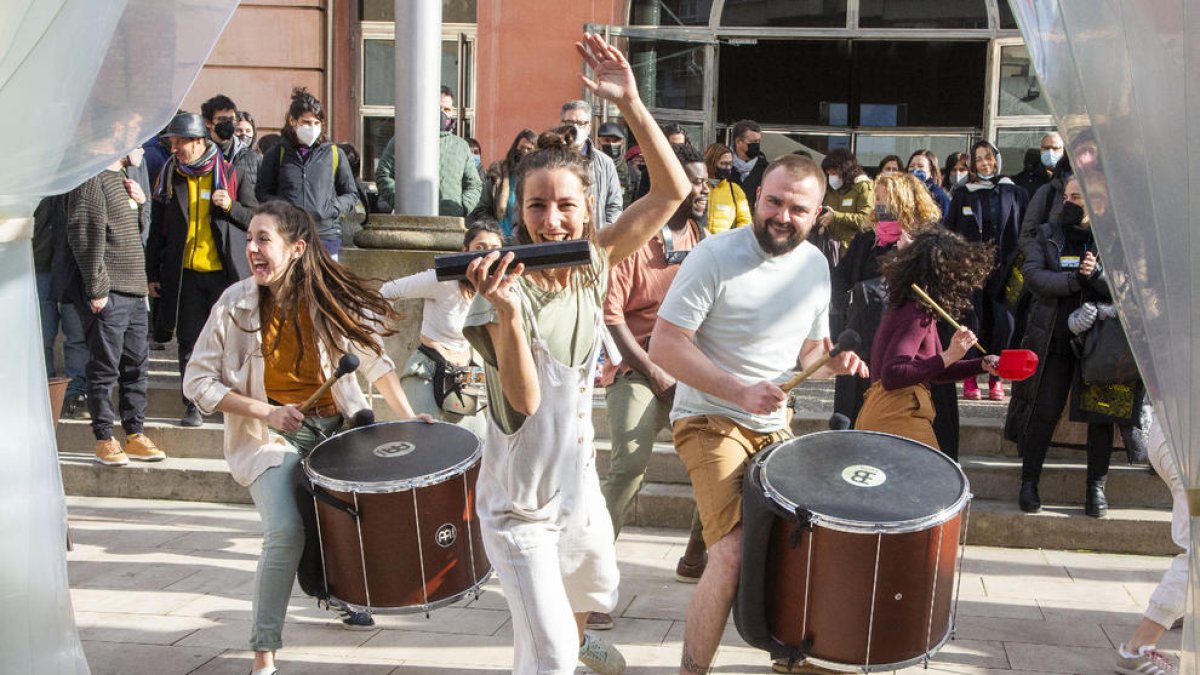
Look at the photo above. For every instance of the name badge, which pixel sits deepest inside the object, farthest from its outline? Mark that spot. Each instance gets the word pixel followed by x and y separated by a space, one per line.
pixel 846 203
pixel 1068 262
pixel 205 194
pixel 967 211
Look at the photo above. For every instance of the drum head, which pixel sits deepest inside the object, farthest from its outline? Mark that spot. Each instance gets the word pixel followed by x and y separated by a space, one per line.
pixel 863 477
pixel 391 453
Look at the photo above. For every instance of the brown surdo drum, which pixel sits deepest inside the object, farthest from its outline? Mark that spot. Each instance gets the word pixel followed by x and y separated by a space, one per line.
pixel 851 543
pixel 395 506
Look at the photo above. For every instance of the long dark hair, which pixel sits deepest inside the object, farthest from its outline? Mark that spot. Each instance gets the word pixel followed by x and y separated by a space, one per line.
pixel 302 102
pixel 943 264
pixel 935 170
pixel 844 162
pixel 556 152
pixel 345 304
pixel 952 160
pixel 511 158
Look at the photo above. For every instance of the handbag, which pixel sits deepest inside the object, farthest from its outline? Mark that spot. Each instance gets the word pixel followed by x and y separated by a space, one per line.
pixel 1105 357
pixel 458 390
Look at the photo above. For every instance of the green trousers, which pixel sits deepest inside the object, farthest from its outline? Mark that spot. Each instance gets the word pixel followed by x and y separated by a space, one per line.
pixel 635 416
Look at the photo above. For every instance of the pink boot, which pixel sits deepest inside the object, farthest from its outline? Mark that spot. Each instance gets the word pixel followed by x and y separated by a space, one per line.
pixel 970 390
pixel 995 389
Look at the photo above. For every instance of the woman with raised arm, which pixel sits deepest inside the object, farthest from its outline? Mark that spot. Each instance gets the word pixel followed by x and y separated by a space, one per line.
pixel 545 525
pixel 269 343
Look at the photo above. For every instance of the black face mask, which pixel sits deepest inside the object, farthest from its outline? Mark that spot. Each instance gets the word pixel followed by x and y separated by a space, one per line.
pixel 224 130
pixel 612 150
pixel 752 150
pixel 1072 214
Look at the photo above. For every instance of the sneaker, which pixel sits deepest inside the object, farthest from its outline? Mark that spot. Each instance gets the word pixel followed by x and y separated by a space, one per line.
pixel 141 448
pixel 191 417
pixel 354 620
pixel 996 391
pixel 970 390
pixel 109 453
pixel 1147 661
pixel 599 621
pixel 157 346
pixel 689 573
pixel 76 408
pixel 601 656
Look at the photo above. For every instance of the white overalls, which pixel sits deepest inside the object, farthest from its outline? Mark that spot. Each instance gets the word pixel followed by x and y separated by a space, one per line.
pixel 545 526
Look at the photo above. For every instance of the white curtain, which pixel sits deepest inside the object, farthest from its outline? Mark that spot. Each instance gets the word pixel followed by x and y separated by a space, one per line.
pixel 1123 81
pixel 81 83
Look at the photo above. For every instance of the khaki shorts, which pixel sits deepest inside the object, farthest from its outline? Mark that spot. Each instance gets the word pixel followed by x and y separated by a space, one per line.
pixel 715 449
pixel 907 411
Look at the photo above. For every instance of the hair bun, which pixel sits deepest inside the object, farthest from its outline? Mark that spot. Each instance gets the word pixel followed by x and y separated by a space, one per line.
pixel 561 138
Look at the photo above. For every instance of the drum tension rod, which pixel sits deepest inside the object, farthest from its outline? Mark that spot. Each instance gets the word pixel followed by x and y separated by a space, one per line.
pixel 803 518
pixel 794 655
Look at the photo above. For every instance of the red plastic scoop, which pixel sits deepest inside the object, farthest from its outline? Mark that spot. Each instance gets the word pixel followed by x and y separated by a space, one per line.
pixel 1017 364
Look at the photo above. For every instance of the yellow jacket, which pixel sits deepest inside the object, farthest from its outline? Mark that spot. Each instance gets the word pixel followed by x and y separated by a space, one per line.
pixel 727 207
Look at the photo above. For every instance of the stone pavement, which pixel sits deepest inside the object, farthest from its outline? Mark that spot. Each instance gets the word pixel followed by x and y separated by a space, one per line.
pixel 163 588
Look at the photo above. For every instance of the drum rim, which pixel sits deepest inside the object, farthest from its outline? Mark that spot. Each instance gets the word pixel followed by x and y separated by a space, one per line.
pixel 476 588
pixel 884 667
pixel 860 526
pixel 393 486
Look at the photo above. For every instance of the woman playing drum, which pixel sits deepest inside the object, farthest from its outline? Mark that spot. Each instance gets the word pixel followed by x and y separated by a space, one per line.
pixel 269 343
pixel 545 525
pixel 906 354
pixel 445 309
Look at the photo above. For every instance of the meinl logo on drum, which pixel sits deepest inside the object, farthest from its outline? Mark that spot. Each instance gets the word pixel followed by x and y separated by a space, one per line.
pixel 863 475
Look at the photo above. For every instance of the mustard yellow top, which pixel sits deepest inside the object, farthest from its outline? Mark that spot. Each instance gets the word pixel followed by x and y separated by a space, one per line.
pixel 285 382
pixel 200 252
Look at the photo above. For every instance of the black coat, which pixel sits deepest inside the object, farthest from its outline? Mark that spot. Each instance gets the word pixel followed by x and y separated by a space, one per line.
pixel 752 181
pixel 168 239
pixel 310 183
pixel 1049 285
pixel 1013 201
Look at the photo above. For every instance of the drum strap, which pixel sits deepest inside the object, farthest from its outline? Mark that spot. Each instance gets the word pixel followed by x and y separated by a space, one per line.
pixel 803 518
pixel 321 495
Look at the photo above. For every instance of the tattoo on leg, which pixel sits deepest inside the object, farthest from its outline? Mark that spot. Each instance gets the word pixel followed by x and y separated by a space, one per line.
pixel 691 666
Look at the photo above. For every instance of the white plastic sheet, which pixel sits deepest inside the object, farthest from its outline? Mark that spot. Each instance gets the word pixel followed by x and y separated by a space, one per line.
pixel 1123 81
pixel 81 83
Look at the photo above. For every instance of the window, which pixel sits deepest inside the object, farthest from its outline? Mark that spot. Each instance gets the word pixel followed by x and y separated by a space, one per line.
pixel 379 72
pixel 861 83
pixel 776 144
pixel 453 11
pixel 377 131
pixel 1020 93
pixel 872 148
pixel 670 12
pixel 669 74
pixel 1007 20
pixel 785 13
pixel 1014 144
pixel 965 14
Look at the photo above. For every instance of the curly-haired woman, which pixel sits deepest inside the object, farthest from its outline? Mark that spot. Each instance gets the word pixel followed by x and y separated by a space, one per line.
pixel 906 355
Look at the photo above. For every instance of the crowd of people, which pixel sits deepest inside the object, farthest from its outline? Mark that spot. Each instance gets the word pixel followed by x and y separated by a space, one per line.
pixel 228 244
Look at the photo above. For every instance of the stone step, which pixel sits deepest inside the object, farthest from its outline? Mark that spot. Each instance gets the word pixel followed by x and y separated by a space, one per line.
pixel 992 523
pixel 187 479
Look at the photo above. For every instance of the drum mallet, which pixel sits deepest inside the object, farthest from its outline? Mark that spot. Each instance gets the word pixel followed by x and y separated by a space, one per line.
pixel 848 341
pixel 346 365
pixel 1014 364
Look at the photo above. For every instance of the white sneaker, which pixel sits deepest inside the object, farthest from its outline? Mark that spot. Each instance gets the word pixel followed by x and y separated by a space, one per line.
pixel 601 656
pixel 1148 661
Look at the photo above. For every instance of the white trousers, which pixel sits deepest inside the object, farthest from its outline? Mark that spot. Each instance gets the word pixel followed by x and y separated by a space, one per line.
pixel 1168 600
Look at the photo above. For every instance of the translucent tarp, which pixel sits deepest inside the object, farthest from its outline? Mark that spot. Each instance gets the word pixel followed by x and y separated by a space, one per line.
pixel 1123 80
pixel 81 83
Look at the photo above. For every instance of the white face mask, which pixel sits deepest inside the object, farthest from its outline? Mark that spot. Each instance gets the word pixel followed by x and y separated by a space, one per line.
pixel 580 138
pixel 959 176
pixel 308 134
pixel 835 182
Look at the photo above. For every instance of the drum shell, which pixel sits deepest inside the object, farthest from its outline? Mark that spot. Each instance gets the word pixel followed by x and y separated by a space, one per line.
pixel 915 582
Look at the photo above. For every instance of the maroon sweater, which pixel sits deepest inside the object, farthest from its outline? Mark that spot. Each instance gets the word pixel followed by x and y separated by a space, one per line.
pixel 906 350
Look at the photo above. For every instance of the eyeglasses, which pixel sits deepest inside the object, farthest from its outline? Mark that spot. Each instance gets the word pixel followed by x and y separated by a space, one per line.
pixel 580 124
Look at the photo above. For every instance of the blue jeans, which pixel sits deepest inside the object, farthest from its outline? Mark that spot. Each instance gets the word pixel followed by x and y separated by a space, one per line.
pixel 75 351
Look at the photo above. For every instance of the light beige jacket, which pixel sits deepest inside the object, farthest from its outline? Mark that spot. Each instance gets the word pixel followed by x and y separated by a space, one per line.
pixel 228 357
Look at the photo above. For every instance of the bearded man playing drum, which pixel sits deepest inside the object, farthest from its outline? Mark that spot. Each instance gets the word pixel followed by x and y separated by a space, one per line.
pixel 746 305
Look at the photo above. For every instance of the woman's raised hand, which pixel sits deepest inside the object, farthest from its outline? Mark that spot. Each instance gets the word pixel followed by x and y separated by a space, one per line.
pixel 614 76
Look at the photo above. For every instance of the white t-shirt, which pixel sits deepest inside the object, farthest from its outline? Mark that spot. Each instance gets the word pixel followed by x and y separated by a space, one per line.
pixel 751 314
pixel 444 311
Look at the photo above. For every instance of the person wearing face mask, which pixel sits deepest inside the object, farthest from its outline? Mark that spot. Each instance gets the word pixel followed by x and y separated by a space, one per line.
pixel 902 208
pixel 607 195
pixel 923 164
pixel 245 131
pixel 221 116
pixel 958 170
pixel 499 198
pixel 459 182
pixel 198 233
pixel 889 165
pixel 727 204
pixel 850 207
pixel 1064 274
pixel 308 171
pixel 611 138
pixel 989 208
pixel 749 163
pixel 1040 172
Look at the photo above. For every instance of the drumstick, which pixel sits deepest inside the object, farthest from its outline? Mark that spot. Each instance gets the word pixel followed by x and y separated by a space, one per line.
pixel 848 340
pixel 942 313
pixel 346 365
